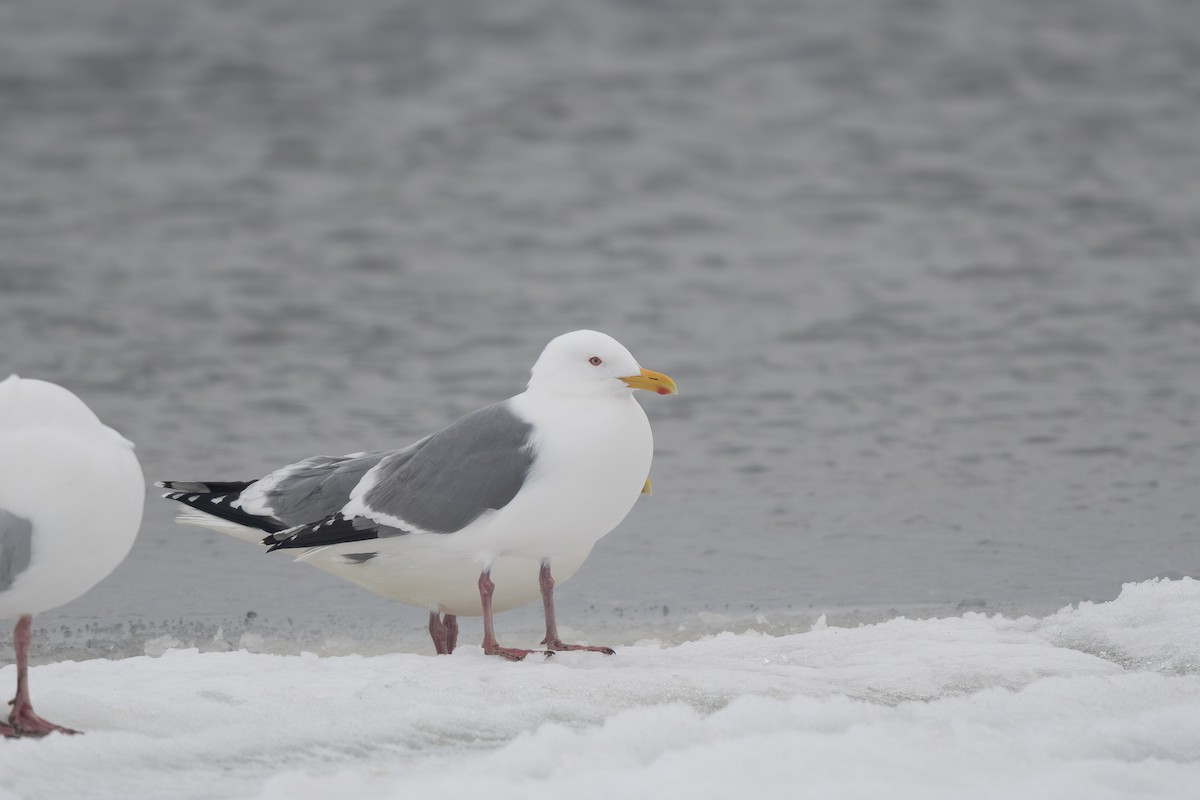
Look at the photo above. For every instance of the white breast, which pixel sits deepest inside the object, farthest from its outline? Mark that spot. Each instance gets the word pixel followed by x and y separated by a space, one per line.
pixel 592 459
pixel 83 491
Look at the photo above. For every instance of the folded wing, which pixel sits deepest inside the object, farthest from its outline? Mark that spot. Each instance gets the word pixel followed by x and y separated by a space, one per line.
pixel 453 477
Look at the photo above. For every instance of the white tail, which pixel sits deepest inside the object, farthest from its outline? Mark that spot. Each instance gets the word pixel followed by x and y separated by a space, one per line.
pixel 190 516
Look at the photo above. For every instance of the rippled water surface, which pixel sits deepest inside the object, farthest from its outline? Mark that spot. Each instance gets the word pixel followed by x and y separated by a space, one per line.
pixel 926 273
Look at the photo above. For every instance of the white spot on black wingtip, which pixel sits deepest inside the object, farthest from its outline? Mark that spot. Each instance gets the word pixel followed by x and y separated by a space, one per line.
pixel 193 498
pixel 161 485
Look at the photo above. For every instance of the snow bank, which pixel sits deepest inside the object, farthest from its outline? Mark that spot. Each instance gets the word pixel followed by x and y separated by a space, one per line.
pixel 1102 700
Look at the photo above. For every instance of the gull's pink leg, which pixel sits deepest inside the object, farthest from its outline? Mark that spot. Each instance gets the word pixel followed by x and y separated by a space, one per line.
pixel 552 642
pixel 22 719
pixel 490 646
pixel 444 632
pixel 437 632
pixel 451 623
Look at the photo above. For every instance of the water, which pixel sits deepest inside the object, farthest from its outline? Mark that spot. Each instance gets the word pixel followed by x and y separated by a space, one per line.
pixel 925 272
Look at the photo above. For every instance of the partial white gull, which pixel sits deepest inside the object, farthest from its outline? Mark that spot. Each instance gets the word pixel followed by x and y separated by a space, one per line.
pixel 71 498
pixel 472 519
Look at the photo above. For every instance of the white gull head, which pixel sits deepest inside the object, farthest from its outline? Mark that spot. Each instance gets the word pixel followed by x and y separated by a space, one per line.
pixel 593 363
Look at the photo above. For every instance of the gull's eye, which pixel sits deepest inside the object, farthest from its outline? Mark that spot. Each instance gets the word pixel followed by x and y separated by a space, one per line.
pixel 595 361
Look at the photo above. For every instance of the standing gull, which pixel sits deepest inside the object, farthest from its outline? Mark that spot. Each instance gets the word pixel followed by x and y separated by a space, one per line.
pixel 71 497
pixel 479 517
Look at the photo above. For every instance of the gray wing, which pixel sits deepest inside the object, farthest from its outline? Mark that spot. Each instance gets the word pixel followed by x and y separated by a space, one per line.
pixel 440 485
pixel 476 464
pixel 16 547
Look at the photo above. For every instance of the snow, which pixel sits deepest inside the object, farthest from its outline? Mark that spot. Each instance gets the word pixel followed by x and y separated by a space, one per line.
pixel 1099 700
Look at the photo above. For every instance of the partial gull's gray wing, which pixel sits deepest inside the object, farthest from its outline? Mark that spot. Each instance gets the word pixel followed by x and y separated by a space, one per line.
pixel 306 491
pixel 316 487
pixel 16 547
pixel 478 463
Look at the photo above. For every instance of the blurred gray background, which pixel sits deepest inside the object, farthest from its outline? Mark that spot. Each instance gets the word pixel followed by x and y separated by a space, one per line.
pixel 925 271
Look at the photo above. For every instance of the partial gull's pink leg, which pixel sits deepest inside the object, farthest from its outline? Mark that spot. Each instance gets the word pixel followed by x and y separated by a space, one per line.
pixel 443 629
pixel 546 581
pixel 437 632
pixel 22 719
pixel 490 646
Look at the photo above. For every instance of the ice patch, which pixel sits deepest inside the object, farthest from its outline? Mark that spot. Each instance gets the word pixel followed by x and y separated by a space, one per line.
pixel 1144 629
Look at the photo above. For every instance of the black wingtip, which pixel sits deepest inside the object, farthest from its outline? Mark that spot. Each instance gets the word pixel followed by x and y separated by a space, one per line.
pixel 204 487
pixel 335 529
pixel 219 503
